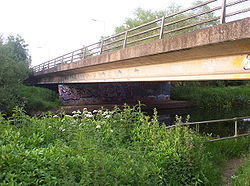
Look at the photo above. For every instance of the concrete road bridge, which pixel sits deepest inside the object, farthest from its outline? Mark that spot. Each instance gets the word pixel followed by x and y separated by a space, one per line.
pixel 194 44
pixel 209 41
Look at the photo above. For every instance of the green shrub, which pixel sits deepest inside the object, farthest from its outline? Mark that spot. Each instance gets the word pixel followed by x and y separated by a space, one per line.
pixel 119 147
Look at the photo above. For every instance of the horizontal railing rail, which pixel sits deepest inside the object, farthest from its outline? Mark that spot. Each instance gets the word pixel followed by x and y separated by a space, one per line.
pixel 205 14
pixel 235 120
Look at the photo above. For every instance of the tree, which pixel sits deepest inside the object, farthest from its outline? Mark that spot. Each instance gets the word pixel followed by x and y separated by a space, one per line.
pixel 181 20
pixel 14 69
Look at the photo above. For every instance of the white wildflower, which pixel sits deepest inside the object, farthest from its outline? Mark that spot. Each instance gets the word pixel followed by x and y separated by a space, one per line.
pixel 55 116
pixel 98 126
pixel 111 130
pixel 63 130
pixel 95 111
pixel 49 127
pixel 107 116
pixel 84 109
pixel 78 112
pixel 74 112
pixel 75 115
pixel 100 111
pixel 105 113
pixel 88 115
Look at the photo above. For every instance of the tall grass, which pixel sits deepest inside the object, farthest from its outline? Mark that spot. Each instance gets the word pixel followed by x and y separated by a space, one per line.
pixel 213 97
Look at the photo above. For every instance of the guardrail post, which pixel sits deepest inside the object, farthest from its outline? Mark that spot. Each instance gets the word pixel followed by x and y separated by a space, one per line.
pixel 62 60
pixel 235 128
pixel 101 46
pixel 72 57
pixel 223 12
pixel 162 27
pixel 125 40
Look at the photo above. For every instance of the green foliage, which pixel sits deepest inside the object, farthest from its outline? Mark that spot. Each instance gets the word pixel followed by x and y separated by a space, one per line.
pixel 14 69
pixel 213 97
pixel 119 147
pixel 142 16
pixel 14 61
pixel 36 98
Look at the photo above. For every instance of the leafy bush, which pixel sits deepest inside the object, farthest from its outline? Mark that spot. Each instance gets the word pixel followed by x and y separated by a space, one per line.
pixel 119 147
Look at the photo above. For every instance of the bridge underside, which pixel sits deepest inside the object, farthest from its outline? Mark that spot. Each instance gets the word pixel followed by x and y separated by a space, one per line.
pixel 215 53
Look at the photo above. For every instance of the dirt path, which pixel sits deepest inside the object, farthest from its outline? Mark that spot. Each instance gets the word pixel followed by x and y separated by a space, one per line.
pixel 230 170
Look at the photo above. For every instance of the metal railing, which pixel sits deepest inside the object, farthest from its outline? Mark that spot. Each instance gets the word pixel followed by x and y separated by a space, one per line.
pixel 205 14
pixel 235 120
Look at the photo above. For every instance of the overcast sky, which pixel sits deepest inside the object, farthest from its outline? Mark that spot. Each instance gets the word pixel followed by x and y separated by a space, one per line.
pixel 54 27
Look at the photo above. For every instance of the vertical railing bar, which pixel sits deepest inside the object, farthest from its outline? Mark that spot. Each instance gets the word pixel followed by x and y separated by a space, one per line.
pixel 235 128
pixel 223 12
pixel 125 40
pixel 72 57
pixel 101 46
pixel 162 27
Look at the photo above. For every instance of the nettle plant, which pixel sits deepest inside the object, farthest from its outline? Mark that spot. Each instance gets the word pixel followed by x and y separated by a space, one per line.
pixel 102 147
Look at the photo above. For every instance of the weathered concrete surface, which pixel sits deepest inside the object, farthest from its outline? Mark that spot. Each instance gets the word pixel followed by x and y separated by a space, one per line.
pixel 218 52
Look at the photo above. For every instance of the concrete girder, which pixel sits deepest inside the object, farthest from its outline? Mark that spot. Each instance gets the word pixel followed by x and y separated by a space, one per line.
pixel 233 67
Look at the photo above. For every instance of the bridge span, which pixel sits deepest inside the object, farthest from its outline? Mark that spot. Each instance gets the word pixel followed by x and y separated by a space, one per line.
pixel 214 53
pixel 206 48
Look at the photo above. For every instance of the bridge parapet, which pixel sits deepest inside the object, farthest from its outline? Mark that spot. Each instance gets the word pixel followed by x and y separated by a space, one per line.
pixel 190 19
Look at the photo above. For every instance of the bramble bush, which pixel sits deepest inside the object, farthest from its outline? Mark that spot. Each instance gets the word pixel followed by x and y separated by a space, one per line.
pixel 117 147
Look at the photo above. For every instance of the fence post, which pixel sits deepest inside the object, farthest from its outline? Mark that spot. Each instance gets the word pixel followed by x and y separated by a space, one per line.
pixel 223 12
pixel 125 40
pixel 162 27
pixel 235 128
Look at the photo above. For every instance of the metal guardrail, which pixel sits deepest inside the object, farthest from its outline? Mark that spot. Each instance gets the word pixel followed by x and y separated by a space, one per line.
pixel 190 19
pixel 236 119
